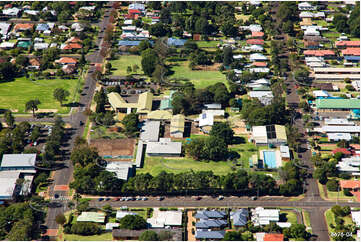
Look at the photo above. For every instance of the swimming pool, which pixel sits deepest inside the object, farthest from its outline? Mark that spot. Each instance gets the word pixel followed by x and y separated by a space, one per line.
pixel 269 159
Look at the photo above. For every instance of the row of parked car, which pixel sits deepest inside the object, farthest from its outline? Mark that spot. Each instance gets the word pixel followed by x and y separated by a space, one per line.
pixel 123 199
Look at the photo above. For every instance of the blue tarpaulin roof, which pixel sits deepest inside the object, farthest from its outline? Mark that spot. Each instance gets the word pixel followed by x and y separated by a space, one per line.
pixel 176 42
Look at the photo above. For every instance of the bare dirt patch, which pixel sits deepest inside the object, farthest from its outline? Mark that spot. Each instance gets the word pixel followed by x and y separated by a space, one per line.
pixel 214 67
pixel 114 147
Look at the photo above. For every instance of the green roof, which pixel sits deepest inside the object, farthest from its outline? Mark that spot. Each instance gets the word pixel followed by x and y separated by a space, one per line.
pixel 24 44
pixel 329 103
pixel 167 103
pixel 262 88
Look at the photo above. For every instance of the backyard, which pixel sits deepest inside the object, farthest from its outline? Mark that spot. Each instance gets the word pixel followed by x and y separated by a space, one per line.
pixel 119 66
pixel 15 94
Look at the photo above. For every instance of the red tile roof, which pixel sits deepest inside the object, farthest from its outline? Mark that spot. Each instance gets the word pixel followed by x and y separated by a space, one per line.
pixel 349 43
pixel 71 46
pixel 356 194
pixel 351 51
pixel 259 64
pixel 342 150
pixel 273 237
pixel 23 26
pixel 255 41
pixel 350 184
pixel 319 52
pixel 65 60
pixel 257 34
pixel 74 40
pixel 133 11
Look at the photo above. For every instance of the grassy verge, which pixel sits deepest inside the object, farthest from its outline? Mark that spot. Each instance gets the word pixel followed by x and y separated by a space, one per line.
pixel 330 219
pixel 101 237
pixel 307 220
pixel 119 66
pixel 86 129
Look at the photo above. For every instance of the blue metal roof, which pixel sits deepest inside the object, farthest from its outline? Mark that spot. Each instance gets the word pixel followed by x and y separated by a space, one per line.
pixel 42 27
pixel 210 214
pixel 352 58
pixel 210 234
pixel 131 42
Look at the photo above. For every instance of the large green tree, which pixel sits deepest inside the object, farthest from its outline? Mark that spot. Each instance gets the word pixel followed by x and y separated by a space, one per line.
pixel 60 95
pixel 149 235
pixel 149 61
pixel 32 105
pixel 133 222
pixel 223 131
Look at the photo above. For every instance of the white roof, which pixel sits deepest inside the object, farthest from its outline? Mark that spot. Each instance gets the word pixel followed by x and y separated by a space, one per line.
pixel 165 218
pixel 11 11
pixel 213 112
pixel 258 94
pixel 41 46
pixel 349 164
pixel 7 186
pixel 128 22
pixel 340 121
pixel 259 69
pixel 237 57
pixel 257 56
pixel 339 136
pixel 110 226
pixel 285 151
pixel 18 160
pixel 259 134
pixel 164 148
pixel 150 131
pixel 306 15
pixel 321 93
pixel 88 8
pixel 4 28
pixel 283 224
pixel 341 129
pixel 120 214
pixel 7 45
pixel 356 217
pixel 314 59
pixel 205 119
pixel 31 12
pixel 121 169
pixel 256 47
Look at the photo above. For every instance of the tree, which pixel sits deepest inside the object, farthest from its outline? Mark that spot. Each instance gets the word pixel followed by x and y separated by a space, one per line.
pixel 9 119
pixel 229 29
pixel 149 235
pixel 160 30
pixel 149 61
pixel 60 219
pixel 232 236
pixel 84 155
pixel 222 131
pixel 60 95
pixel 297 231
pixel 165 235
pixel 216 148
pixel 82 206
pixel 227 56
pixel 129 69
pixel 20 231
pixel 130 123
pixel 135 68
pixel 202 26
pixel 340 23
pixel 301 75
pixel 337 210
pixel 143 45
pixel 159 73
pixel 133 222
pixel 332 185
pixel 85 228
pixel 32 105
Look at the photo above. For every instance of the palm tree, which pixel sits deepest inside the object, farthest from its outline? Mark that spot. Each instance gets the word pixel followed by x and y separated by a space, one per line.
pixel 32 105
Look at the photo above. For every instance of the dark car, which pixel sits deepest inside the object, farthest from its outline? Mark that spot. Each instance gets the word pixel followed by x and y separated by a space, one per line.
pixel 56 195
pixel 198 198
pixel 254 198
pixel 107 199
pixel 100 199
pixel 160 198
pixel 81 123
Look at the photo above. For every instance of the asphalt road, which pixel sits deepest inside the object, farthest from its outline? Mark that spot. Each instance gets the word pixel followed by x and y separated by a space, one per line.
pixel 64 176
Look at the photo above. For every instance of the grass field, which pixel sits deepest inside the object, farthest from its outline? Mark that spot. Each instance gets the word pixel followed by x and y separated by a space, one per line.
pixel 207 44
pixel 245 151
pixel 102 237
pixel 155 165
pixel 200 79
pixel 101 132
pixel 291 216
pixel 119 66
pixel 15 94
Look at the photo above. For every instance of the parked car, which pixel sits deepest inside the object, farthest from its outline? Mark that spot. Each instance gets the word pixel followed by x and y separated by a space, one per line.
pixel 198 198
pixel 107 199
pixel 254 198
pixel 220 198
pixel 144 198
pixel 100 199
pixel 160 198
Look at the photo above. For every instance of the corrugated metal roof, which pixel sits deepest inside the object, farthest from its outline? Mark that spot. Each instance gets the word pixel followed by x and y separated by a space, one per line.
pixel 330 103
pixel 177 123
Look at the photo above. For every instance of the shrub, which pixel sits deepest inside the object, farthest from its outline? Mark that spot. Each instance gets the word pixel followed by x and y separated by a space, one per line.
pixel 346 192
pixel 332 185
pixel 85 228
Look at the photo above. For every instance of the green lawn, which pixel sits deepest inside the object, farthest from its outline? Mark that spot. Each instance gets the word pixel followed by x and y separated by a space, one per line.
pixel 307 220
pixel 330 219
pixel 291 216
pixel 207 44
pixel 119 66
pixel 200 79
pixel 155 165
pixel 102 237
pixel 245 151
pixel 101 132
pixel 15 94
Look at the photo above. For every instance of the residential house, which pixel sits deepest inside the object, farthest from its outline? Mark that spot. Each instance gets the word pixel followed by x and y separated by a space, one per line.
pixel 351 54
pixel 261 236
pixel 162 219
pixel 110 226
pixel 12 12
pixel 338 129
pixel 327 54
pixel 265 97
pixel 71 46
pixel 77 27
pixel 41 46
pixel 42 27
pixel 311 44
pixel 338 121
pixel 209 235
pixel 177 126
pixel 285 153
pixel 4 29
pixel 210 224
pixel 270 134
pixel 347 44
pixel 257 35
pixel 67 61
pixel 306 6
pixel 165 147
pixel 7 45
pixel 214 109
pixel 210 214
pixel 34 64
pixel 205 122
pixel 356 217
pixel 239 217
pixel 252 28
pixel 23 27
pixel 69 69
pixel 335 137
pixel 31 12
pixel 262 216
pixel 255 42
pixel 257 57
pixel 350 165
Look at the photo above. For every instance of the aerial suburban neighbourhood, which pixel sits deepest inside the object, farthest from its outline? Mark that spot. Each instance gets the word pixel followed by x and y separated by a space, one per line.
pixel 180 120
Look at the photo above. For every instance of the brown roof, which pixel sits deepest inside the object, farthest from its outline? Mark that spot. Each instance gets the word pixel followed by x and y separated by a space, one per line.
pixel 71 46
pixel 23 26
pixel 34 62
pixel 350 184
pixel 273 237
pixel 65 60
pixel 308 43
pixel 323 86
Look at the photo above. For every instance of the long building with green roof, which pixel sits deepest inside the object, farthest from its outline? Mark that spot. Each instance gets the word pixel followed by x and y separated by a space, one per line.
pixel 337 104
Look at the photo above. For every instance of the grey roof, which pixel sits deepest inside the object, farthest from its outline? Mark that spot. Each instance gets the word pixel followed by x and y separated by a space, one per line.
pixel 213 106
pixel 214 223
pixel 174 148
pixel 139 156
pixel 18 160
pixel 210 234
pixel 121 214
pixel 204 214
pixel 150 131
pixel 240 217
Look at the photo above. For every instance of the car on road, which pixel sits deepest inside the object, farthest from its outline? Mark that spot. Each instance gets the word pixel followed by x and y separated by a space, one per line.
pixel 138 198
pixel 56 195
pixel 144 198
pixel 220 198
pixel 116 199
pixel 107 199
pixel 100 199
pixel 160 198
pixel 254 198
pixel 198 198
pixel 123 199
pixel 81 123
